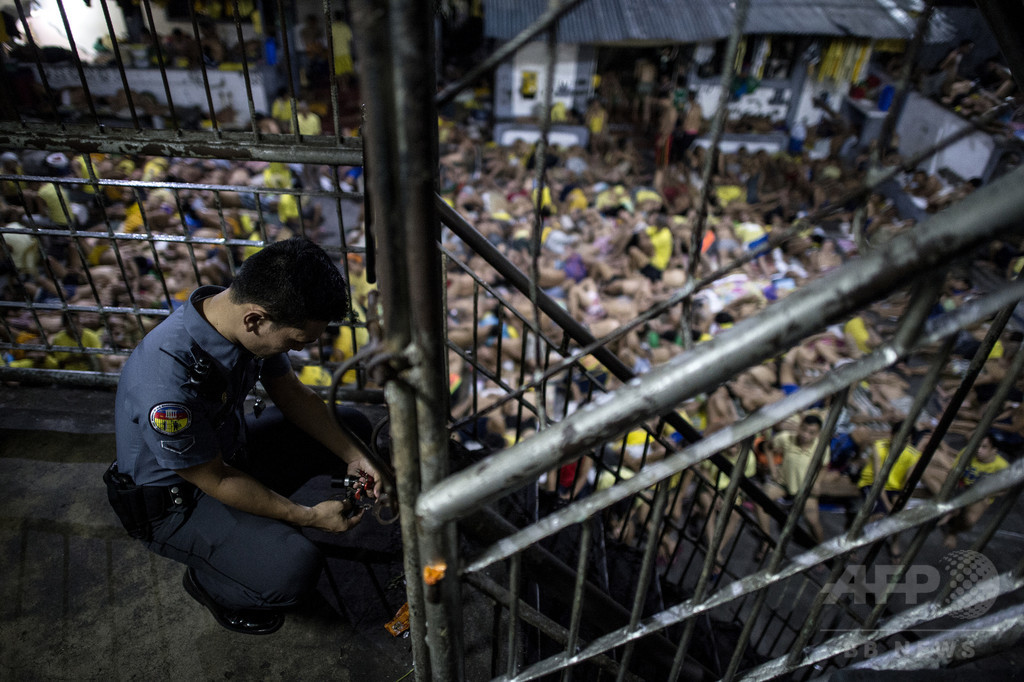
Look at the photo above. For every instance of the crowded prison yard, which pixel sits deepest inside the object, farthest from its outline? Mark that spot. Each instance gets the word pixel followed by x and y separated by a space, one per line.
pixel 101 252
pixel 615 240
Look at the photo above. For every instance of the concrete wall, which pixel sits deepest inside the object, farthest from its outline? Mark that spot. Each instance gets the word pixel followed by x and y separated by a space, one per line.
pixel 925 122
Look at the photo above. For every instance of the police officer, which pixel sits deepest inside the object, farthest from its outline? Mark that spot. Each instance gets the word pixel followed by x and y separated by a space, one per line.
pixel 201 482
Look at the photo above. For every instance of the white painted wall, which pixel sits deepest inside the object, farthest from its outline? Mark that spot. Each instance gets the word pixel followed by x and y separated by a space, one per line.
pixel 925 122
pixel 87 24
pixel 774 101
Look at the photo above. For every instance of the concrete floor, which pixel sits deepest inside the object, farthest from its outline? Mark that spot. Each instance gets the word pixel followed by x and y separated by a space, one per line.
pixel 79 600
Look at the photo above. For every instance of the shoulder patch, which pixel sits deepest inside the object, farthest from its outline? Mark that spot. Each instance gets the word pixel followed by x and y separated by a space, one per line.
pixel 170 418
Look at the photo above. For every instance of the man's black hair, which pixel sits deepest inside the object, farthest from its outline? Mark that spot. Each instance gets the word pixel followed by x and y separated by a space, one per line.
pixel 812 419
pixel 295 280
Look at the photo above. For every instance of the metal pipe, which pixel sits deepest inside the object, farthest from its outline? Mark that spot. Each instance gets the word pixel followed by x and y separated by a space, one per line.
pixel 906 620
pixel 834 547
pixel 535 618
pixel 764 418
pixel 717 129
pixel 233 146
pixel 984 214
pixel 370 20
pixel 411 25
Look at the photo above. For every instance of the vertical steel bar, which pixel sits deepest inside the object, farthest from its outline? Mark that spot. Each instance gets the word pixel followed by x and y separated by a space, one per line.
pixel 786 533
pixel 335 102
pixel 202 69
pixel 370 21
pixel 119 60
pixel 514 585
pixel 992 410
pixel 257 135
pixel 717 129
pixel 78 64
pixel 646 572
pixel 577 595
pixel 909 329
pixel 175 123
pixel 282 27
pixel 26 31
pixel 415 127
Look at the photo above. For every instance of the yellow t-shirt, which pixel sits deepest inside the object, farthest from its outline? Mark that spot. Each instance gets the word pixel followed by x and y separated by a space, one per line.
pixel 287 208
pixel 977 469
pixel 718 477
pixel 661 239
pixel 281 110
pixel 132 218
pixel 54 210
pixel 309 124
pixel 796 460
pixel 75 361
pixel 314 375
pixel 857 330
pixel 900 469
pixel 277 176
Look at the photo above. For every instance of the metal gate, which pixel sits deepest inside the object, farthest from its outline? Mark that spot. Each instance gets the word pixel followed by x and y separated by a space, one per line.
pixel 632 580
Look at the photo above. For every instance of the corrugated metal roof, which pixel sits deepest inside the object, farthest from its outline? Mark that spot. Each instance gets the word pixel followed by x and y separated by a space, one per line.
pixel 854 18
pixel 616 21
pixel 690 21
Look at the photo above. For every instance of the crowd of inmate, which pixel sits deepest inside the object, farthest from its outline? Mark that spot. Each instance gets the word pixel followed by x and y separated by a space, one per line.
pixel 610 235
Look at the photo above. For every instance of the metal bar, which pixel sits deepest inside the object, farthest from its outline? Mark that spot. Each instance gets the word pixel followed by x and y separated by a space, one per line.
pixel 1005 583
pixel 370 19
pixel 907 333
pixel 257 135
pixel 535 618
pixel 765 417
pixel 722 520
pixel 646 572
pixel 988 211
pixel 543 23
pixel 717 129
pixel 575 330
pixel 63 376
pixel 119 60
pixel 778 554
pixel 78 63
pixel 515 578
pixel 992 410
pixel 583 558
pixel 282 23
pixel 175 123
pixel 336 115
pixel 232 146
pixel 27 33
pixel 973 370
pixel 413 89
pixel 831 548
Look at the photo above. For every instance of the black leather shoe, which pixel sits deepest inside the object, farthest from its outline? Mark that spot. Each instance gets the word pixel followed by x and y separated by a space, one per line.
pixel 249 622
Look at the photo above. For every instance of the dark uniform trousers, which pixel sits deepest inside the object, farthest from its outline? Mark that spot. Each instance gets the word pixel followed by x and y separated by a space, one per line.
pixel 246 561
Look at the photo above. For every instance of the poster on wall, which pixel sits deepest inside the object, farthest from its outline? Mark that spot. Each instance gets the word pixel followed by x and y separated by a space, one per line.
pixel 530 73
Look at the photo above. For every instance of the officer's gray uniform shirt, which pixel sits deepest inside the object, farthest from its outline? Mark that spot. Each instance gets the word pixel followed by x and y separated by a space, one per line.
pixel 169 415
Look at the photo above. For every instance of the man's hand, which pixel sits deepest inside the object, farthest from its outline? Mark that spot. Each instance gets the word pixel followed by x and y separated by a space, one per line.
pixel 362 468
pixel 330 516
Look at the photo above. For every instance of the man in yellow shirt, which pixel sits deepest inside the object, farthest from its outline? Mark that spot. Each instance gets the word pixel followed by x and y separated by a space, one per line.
pixel 74 334
pixel 986 462
pixel 797 450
